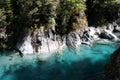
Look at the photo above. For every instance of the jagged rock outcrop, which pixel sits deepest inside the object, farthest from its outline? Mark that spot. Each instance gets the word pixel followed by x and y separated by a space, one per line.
pixel 112 69
pixel 105 32
pixel 109 35
pixel 116 27
pixel 90 35
pixel 48 41
pixel 25 45
pixel 41 43
pixel 73 40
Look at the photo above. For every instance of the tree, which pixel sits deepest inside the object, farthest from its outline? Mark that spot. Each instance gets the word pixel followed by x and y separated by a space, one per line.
pixel 69 11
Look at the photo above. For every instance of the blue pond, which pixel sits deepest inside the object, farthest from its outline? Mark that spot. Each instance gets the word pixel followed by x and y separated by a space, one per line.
pixel 85 64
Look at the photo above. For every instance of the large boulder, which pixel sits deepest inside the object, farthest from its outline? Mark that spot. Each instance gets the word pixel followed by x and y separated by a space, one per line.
pixel 107 34
pixel 113 27
pixel 112 69
pixel 91 35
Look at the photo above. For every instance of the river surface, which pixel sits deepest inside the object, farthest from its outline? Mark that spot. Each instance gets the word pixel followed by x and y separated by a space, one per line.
pixel 87 63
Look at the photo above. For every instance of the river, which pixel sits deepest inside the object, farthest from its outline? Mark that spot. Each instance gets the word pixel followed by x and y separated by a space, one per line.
pixel 87 63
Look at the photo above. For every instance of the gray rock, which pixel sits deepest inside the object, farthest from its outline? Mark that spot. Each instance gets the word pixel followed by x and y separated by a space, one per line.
pixel 110 27
pixel 107 34
pixel 25 46
pixel 73 40
pixel 39 43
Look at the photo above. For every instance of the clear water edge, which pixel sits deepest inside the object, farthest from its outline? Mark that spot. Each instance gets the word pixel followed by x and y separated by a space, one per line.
pixel 85 64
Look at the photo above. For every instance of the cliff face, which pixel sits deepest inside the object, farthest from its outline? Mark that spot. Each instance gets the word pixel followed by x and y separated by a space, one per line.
pixel 112 69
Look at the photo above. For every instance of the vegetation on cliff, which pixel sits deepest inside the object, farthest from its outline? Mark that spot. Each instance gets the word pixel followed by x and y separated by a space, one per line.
pixel 61 16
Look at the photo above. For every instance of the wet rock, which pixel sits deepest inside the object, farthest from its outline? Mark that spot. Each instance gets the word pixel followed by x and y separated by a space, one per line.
pixel 116 27
pixel 106 34
pixel 91 35
pixel 41 43
pixel 113 27
pixel 44 42
pixel 110 27
pixel 73 40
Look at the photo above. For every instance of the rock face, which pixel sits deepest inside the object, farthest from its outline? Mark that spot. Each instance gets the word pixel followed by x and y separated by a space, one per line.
pixel 90 35
pixel 46 42
pixel 40 43
pixel 3 38
pixel 112 69
pixel 105 32
pixel 73 40
pixel 25 46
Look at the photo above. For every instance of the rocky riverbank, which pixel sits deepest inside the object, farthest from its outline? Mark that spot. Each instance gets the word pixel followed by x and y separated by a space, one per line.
pixel 64 23
pixel 42 42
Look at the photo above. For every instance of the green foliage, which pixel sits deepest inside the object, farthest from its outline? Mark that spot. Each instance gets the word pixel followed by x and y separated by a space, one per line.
pixel 117 1
pixel 69 11
pixel 5 13
pixel 72 6
pixel 2 19
pixel 34 12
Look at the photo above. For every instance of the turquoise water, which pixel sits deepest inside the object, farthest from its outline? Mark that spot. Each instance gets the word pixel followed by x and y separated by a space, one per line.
pixel 87 63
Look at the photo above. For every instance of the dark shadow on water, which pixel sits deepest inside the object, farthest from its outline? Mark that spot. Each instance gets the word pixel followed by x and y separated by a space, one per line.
pixel 78 70
pixel 69 66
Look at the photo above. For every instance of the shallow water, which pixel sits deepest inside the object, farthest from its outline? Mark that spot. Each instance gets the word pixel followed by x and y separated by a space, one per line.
pixel 87 63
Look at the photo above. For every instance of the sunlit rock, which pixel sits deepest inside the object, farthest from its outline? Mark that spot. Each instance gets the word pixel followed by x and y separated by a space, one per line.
pixel 39 43
pixel 73 40
pixel 107 34
pixel 91 35
pixel 25 46
pixel 110 27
